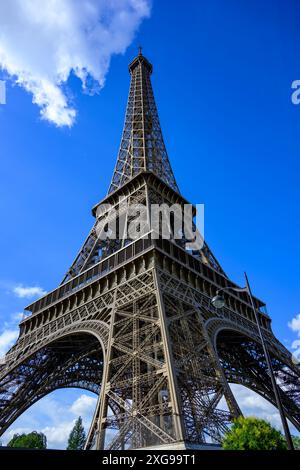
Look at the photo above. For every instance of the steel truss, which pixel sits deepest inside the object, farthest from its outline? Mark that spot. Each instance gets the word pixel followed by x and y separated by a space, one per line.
pixel 142 146
pixel 169 357
pixel 133 322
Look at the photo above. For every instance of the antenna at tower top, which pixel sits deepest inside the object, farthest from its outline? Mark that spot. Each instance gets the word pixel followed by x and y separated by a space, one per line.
pixel 140 50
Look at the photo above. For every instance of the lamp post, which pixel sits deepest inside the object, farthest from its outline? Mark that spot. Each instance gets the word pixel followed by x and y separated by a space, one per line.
pixel 218 302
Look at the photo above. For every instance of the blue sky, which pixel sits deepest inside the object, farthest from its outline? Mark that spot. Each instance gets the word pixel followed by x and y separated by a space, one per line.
pixel 222 81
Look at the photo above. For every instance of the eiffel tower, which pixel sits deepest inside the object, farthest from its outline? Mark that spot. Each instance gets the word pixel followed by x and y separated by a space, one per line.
pixel 133 322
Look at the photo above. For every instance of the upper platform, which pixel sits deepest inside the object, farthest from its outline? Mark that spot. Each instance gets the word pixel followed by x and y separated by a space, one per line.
pixel 140 59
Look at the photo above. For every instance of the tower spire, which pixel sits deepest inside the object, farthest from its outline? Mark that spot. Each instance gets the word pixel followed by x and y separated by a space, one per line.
pixel 142 146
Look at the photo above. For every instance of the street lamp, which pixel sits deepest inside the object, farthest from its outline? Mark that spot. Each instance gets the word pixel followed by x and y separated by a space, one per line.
pixel 218 302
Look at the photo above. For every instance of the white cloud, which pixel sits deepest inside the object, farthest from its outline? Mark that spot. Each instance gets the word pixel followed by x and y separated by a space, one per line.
pixel 296 344
pixel 13 321
pixel 17 317
pixel 15 430
pixel 84 405
pixel 296 351
pixel 294 325
pixel 7 339
pixel 9 334
pixel 40 46
pixel 252 404
pixel 28 292
pixel 57 436
pixel 55 416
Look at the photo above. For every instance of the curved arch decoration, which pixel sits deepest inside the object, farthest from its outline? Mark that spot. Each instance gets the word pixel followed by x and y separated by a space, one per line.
pixel 73 357
pixel 241 357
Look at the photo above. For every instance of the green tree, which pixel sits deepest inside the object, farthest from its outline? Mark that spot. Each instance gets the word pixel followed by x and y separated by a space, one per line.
pixel 33 440
pixel 296 442
pixel 77 436
pixel 253 434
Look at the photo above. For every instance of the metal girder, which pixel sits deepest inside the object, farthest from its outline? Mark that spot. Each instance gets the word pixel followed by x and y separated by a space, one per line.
pixel 77 361
pixel 142 146
pixel 162 372
pixel 133 322
pixel 243 362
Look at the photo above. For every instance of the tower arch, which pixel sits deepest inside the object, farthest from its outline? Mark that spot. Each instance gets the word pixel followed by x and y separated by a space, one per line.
pixel 140 310
pixel 242 359
pixel 73 358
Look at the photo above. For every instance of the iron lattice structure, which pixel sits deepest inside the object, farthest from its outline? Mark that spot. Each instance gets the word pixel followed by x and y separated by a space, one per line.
pixel 132 320
pixel 142 146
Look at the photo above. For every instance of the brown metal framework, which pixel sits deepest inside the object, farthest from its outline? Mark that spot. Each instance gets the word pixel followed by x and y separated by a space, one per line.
pixel 132 321
pixel 142 146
